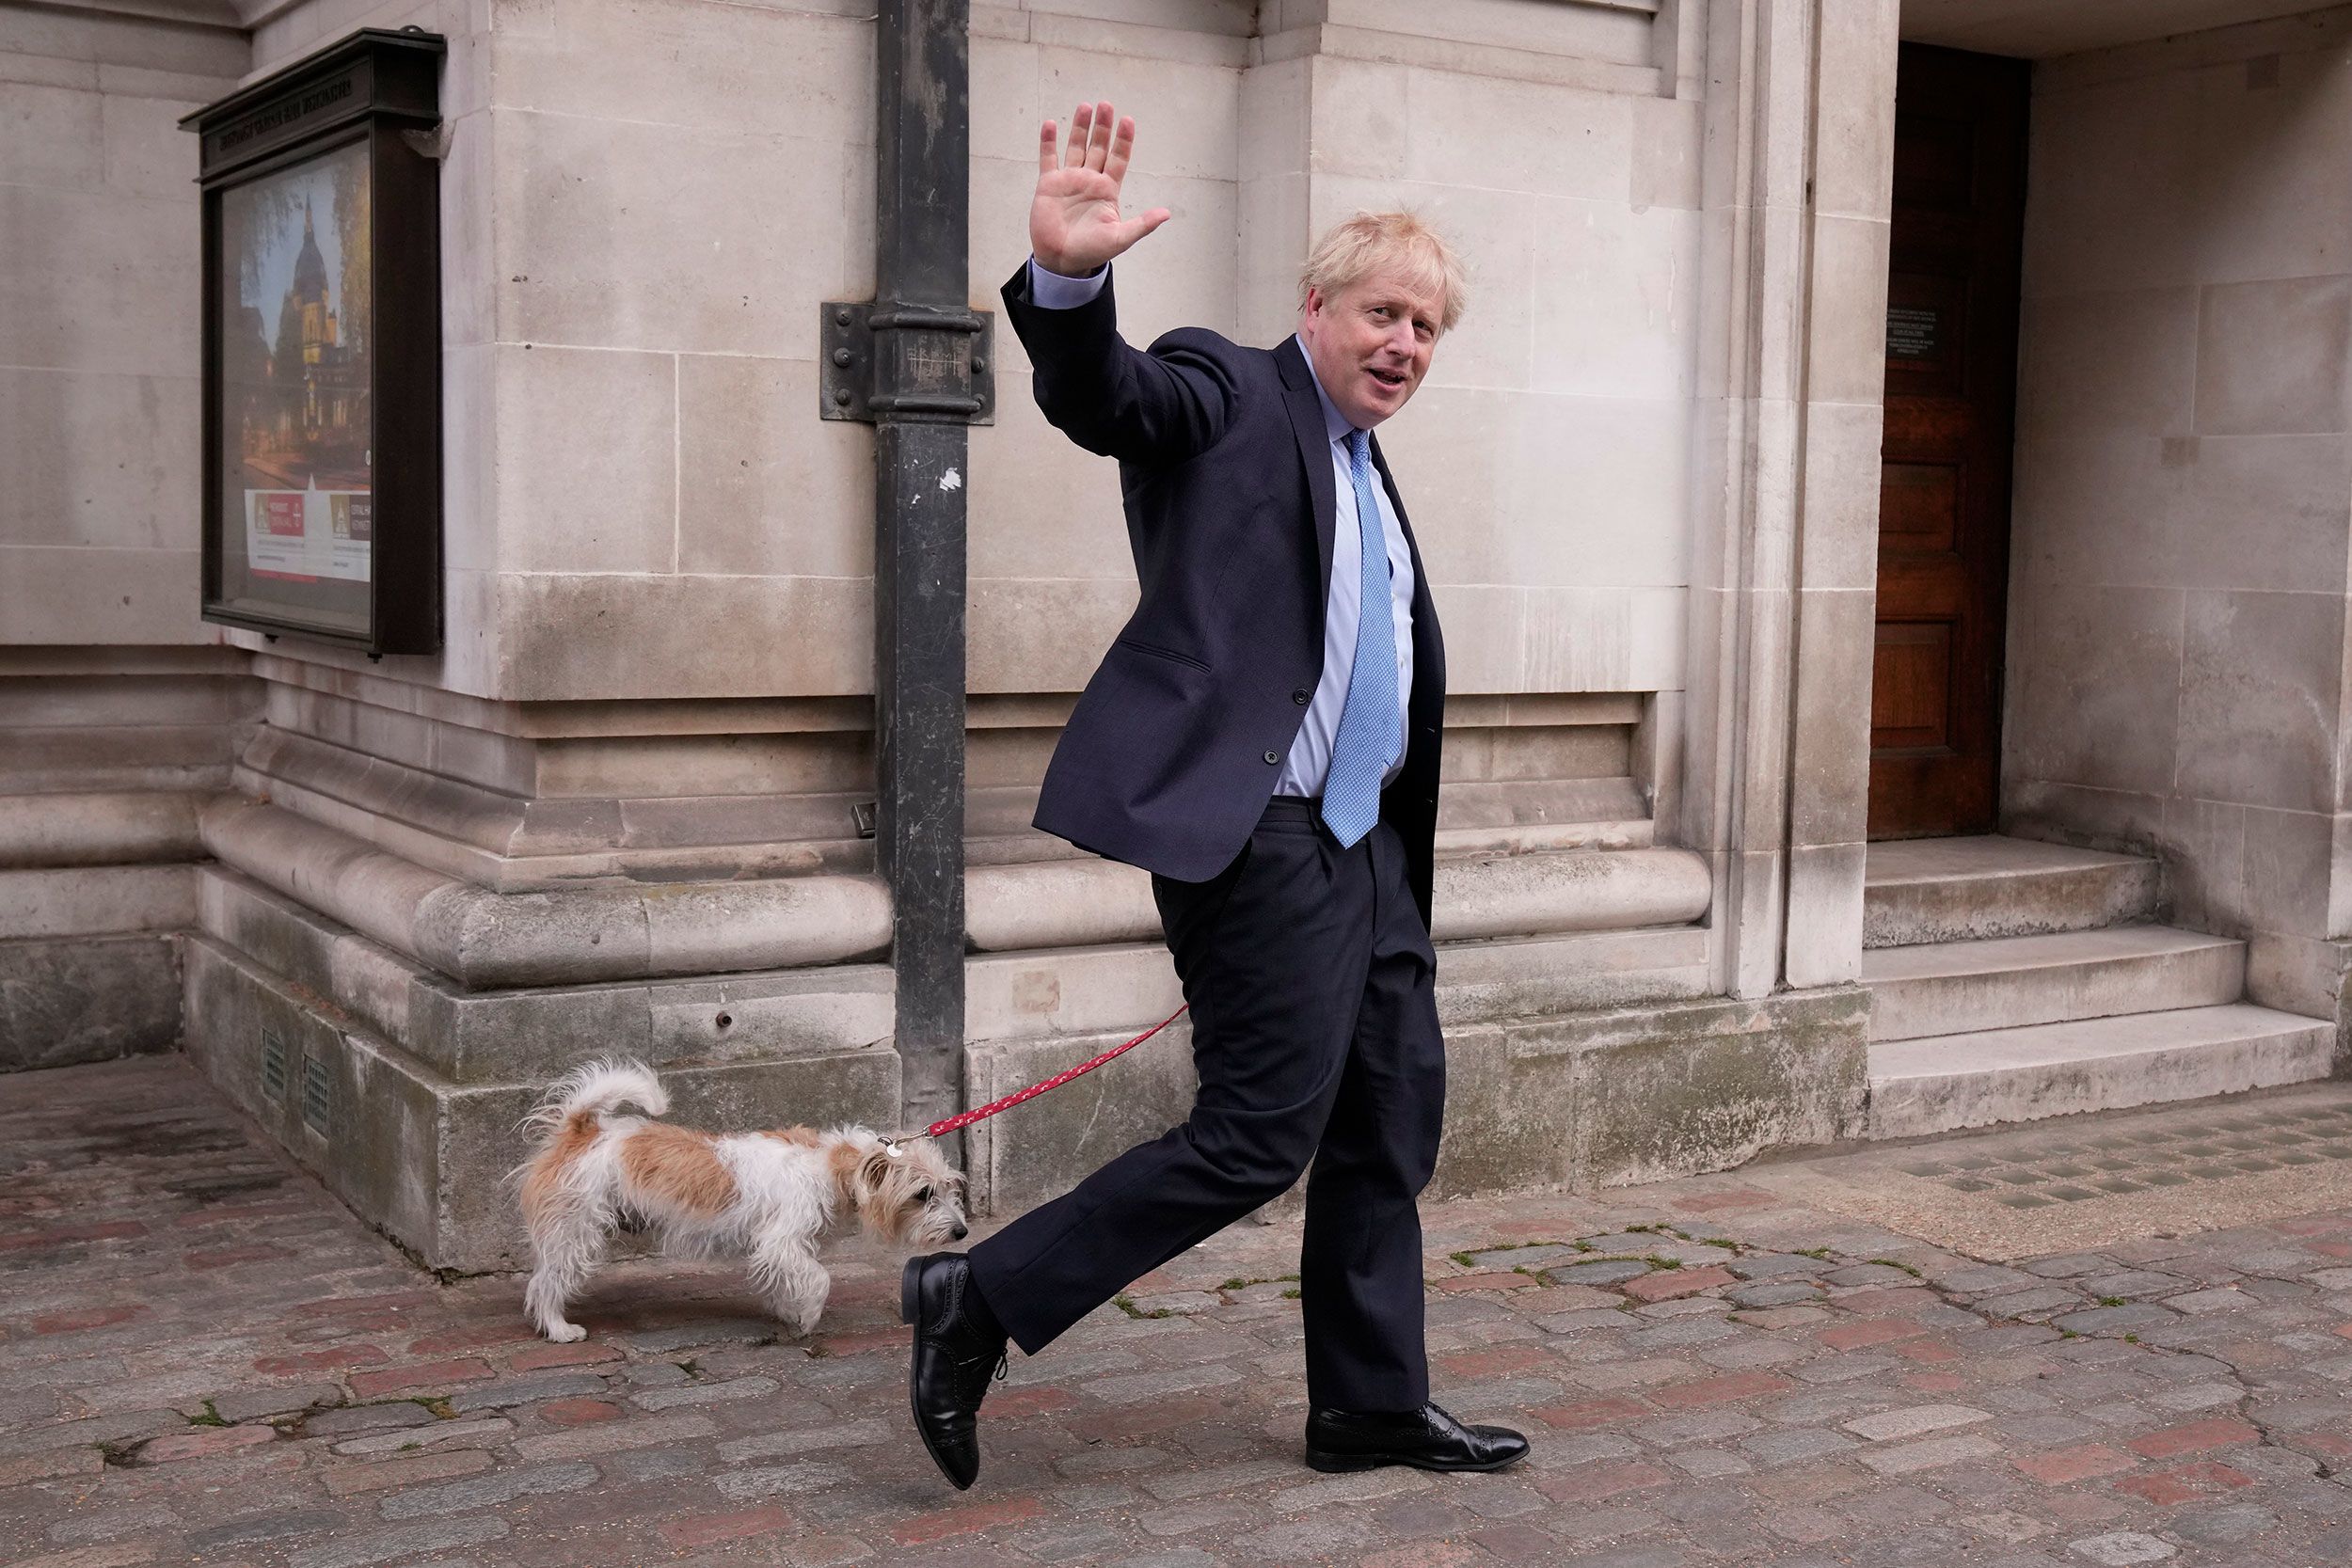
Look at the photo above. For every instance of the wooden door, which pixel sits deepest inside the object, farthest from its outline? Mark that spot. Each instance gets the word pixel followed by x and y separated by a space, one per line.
pixel 1943 486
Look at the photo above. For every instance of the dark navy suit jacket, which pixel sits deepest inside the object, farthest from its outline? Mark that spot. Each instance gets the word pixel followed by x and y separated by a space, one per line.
pixel 1225 471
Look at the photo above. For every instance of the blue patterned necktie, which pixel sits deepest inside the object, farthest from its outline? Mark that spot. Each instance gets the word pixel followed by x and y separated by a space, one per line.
pixel 1369 723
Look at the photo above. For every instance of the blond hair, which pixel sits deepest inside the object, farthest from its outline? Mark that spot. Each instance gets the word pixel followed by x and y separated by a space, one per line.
pixel 1355 249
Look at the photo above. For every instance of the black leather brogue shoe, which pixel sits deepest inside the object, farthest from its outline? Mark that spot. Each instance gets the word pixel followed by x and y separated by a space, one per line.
pixel 1427 1439
pixel 953 1360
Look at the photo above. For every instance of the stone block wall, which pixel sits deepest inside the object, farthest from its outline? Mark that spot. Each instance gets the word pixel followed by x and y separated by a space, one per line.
pixel 98 324
pixel 618 812
pixel 106 758
pixel 2182 523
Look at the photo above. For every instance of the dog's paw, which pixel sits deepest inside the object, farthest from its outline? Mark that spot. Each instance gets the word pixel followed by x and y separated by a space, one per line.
pixel 565 1333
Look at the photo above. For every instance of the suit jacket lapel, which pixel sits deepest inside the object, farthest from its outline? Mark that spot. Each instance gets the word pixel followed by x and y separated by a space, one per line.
pixel 1315 451
pixel 1428 642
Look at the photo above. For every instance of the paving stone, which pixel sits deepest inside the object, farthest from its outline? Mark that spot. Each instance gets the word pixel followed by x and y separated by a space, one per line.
pixel 1908 1458
pixel 1223 1478
pixel 366 1418
pixel 505 1486
pixel 1509 1259
pixel 807 1476
pixel 2120 1548
pixel 1133 1387
pixel 365 1551
pixel 264 1526
pixel 379 1475
pixel 2113 1320
pixel 247 1404
pixel 775 1445
pixel 429 1434
pixel 707 1393
pixel 526 1390
pixel 1868 1274
pixel 2132 1283
pixel 614 1436
pixel 2225 1526
pixel 1887 1426
pixel 1790 1445
pixel 2218 1299
pixel 1779 1293
pixel 1607 1272
pixel 1777 1265
pixel 695 1336
pixel 1982 1279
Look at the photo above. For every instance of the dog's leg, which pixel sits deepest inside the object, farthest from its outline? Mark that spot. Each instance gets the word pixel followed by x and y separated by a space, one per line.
pixel 569 1244
pixel 795 1284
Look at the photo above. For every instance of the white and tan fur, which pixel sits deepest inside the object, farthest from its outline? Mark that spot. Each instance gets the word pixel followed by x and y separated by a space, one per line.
pixel 767 1195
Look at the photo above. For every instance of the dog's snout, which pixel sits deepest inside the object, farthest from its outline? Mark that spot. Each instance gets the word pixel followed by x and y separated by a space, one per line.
pixel 960 1232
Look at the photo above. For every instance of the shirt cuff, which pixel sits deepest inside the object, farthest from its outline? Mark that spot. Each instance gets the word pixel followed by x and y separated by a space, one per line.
pixel 1052 291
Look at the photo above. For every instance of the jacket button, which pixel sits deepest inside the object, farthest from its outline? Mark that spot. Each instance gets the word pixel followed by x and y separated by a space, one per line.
pixel 1272 759
pixel 1299 696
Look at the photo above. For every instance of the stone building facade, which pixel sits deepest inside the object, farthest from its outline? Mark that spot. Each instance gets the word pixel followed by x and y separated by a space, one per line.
pixel 1865 721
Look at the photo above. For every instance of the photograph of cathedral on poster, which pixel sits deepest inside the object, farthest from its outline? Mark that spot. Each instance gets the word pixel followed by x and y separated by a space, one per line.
pixel 296 372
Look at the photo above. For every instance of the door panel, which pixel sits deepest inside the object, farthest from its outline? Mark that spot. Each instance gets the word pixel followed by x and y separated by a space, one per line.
pixel 1943 489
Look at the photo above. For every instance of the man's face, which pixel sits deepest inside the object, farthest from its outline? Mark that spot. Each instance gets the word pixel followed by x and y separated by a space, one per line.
pixel 1370 342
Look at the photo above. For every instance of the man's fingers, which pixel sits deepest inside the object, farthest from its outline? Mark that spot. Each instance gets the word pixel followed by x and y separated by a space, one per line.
pixel 1048 147
pixel 1136 227
pixel 1075 153
pixel 1098 143
pixel 1123 145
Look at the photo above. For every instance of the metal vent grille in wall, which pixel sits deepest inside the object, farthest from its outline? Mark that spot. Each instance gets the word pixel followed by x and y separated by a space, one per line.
pixel 318 1096
pixel 273 1066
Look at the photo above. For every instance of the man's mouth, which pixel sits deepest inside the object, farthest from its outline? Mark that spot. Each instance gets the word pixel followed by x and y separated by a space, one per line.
pixel 1386 378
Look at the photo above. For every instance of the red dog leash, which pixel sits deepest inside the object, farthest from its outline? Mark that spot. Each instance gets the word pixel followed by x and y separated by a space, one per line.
pixel 967 1118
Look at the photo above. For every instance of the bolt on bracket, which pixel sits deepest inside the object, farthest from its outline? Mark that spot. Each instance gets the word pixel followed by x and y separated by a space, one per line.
pixel 885 359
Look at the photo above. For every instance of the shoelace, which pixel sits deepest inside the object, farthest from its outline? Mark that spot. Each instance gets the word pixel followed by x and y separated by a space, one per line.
pixel 997 1373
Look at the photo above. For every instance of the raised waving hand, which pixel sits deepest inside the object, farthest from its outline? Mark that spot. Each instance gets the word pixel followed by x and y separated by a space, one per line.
pixel 1074 225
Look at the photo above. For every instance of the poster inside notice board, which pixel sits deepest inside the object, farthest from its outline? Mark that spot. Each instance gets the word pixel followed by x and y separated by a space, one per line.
pixel 322 349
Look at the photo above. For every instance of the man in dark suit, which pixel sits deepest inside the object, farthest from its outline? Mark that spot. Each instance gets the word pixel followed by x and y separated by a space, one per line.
pixel 1264 738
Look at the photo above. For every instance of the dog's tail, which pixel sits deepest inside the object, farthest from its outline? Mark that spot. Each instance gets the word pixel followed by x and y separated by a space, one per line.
pixel 579 1101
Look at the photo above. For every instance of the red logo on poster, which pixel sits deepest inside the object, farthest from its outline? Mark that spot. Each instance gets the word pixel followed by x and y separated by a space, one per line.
pixel 281 513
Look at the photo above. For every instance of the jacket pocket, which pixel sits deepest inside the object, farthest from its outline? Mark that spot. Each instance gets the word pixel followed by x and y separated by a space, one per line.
pixel 1168 654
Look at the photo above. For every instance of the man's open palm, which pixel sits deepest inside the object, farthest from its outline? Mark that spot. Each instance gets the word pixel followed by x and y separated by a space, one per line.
pixel 1074 225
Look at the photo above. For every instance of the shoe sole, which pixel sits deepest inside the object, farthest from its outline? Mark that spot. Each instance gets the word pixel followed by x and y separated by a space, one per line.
pixel 910 1312
pixel 1349 1464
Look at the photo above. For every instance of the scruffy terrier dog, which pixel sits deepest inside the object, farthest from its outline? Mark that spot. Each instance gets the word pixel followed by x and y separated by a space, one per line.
pixel 767 1195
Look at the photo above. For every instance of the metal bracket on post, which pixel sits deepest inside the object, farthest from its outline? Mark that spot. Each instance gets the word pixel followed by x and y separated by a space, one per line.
pixel 906 361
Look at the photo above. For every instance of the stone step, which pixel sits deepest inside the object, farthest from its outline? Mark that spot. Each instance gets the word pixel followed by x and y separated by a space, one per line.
pixel 1942 1083
pixel 1924 890
pixel 1951 988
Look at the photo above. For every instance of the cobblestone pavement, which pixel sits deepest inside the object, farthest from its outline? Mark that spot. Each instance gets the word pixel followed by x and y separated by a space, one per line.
pixel 203 1359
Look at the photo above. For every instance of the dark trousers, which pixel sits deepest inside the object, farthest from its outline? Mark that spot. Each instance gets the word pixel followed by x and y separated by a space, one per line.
pixel 1315 1036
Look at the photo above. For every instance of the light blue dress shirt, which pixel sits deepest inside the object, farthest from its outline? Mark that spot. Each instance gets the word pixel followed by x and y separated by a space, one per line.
pixel 1310 761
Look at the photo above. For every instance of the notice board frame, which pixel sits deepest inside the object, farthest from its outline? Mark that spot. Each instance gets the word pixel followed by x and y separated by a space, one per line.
pixel 376 92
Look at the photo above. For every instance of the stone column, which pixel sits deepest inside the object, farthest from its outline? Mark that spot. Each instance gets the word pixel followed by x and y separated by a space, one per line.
pixel 1799 167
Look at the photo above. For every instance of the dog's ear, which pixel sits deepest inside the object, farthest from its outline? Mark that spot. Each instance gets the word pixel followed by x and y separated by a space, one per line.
pixel 874 1170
